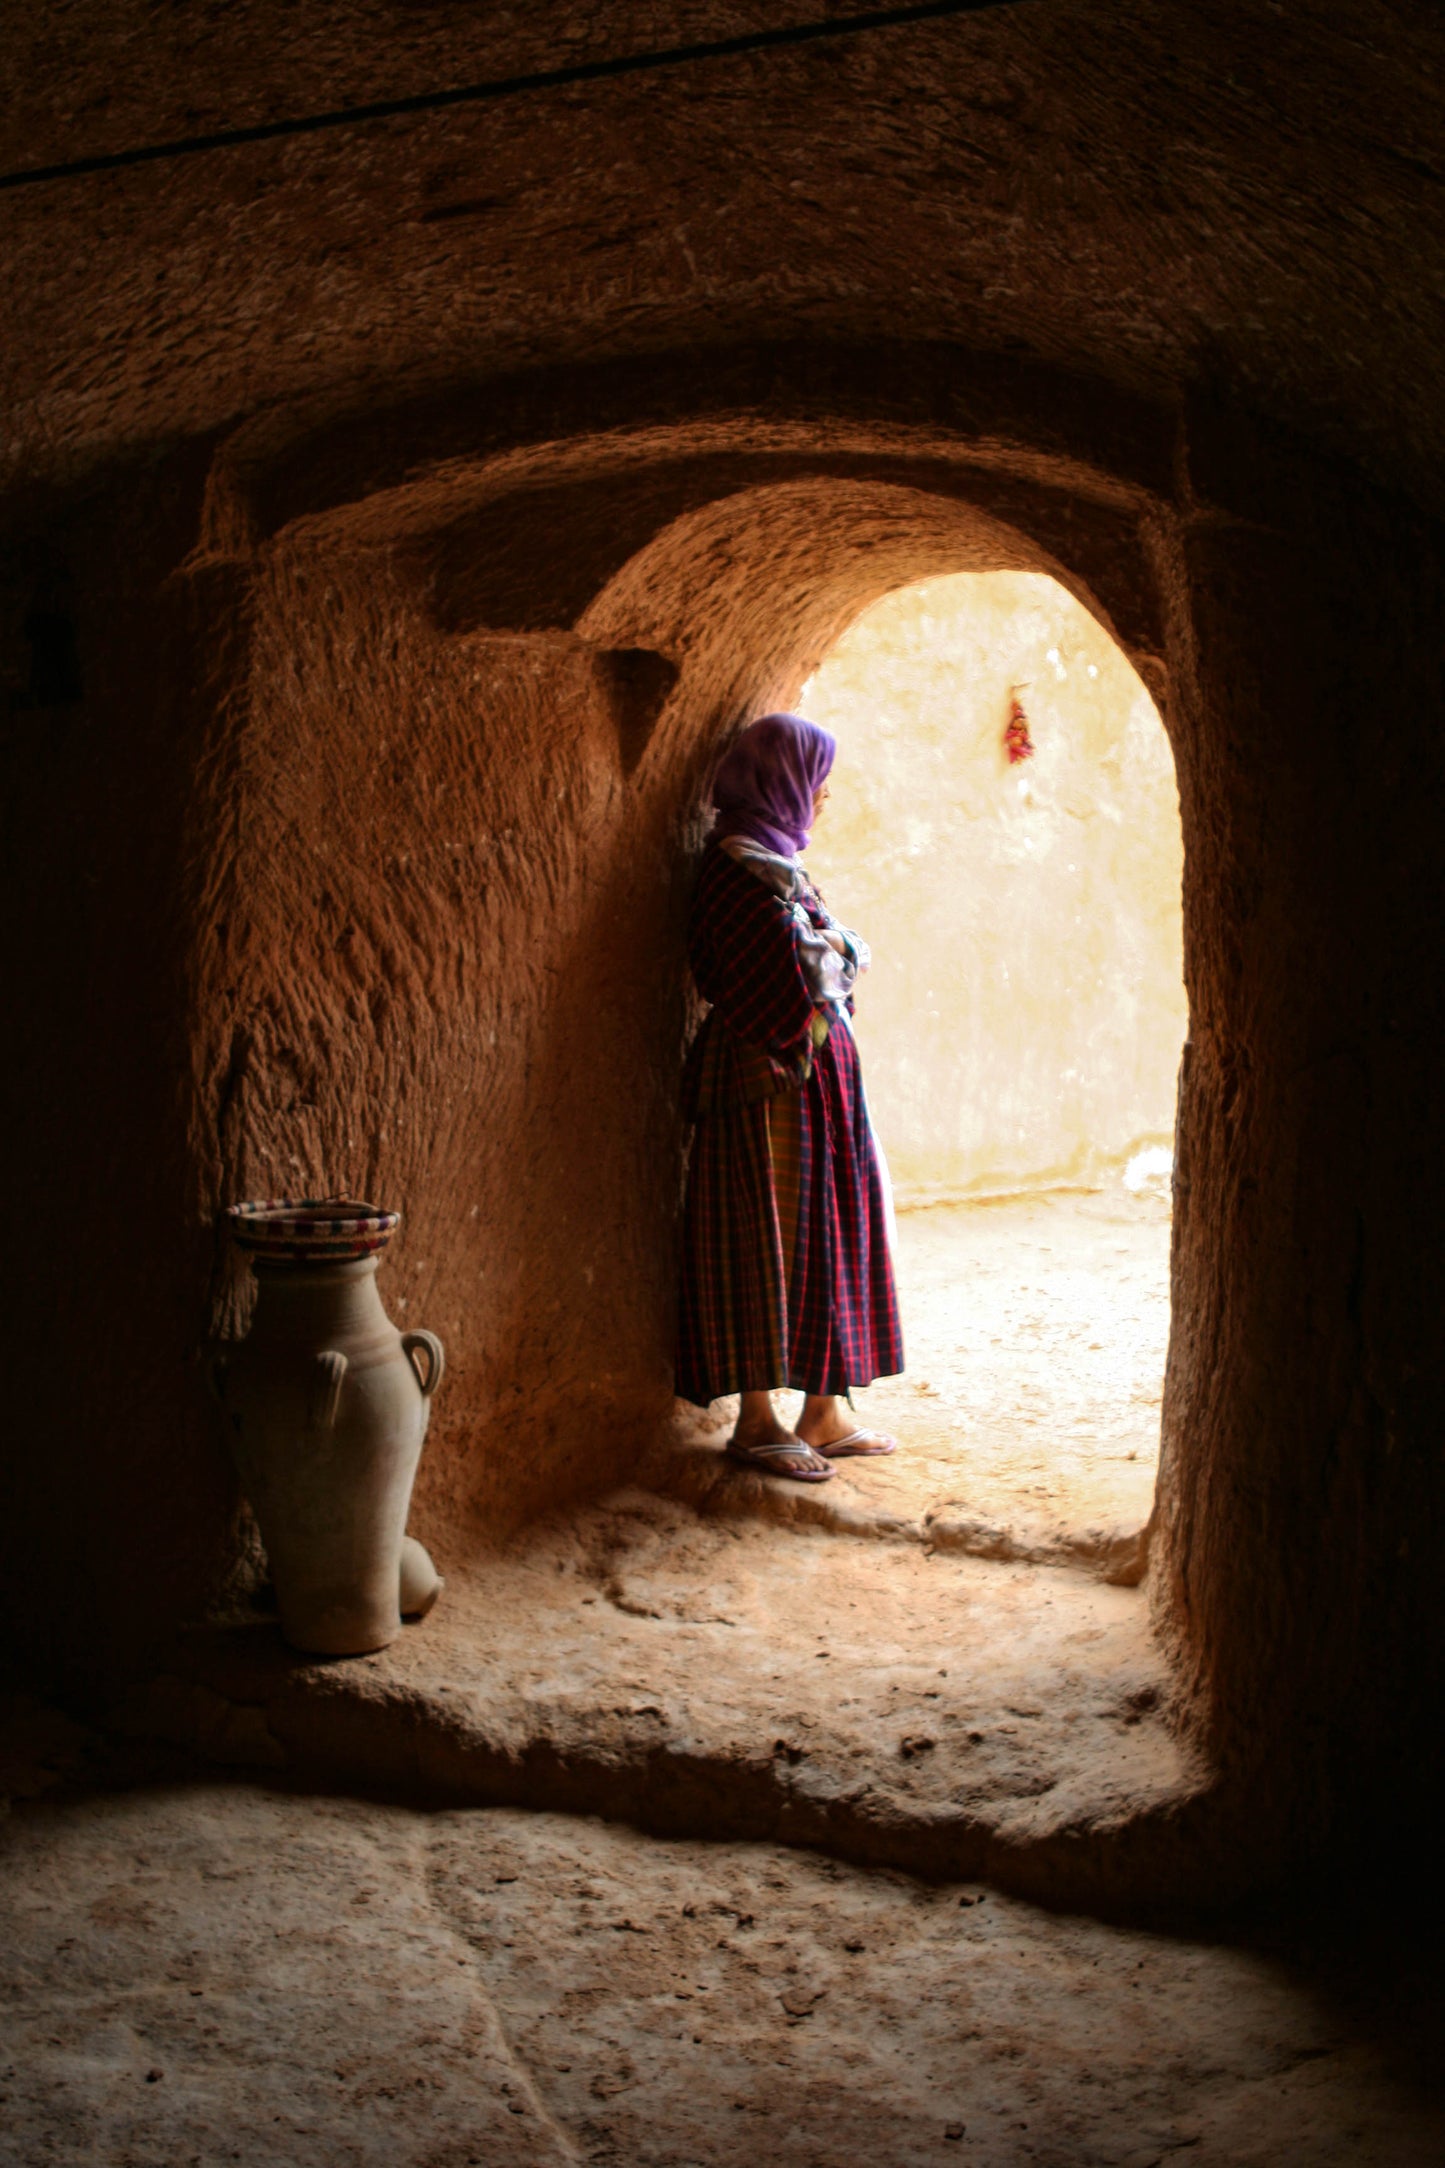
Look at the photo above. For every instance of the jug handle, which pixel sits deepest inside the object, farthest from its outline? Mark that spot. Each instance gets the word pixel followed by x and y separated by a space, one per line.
pixel 326 1384
pixel 437 1361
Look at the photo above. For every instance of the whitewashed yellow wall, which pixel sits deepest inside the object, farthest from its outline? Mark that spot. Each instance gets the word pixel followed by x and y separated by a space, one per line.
pixel 1022 1022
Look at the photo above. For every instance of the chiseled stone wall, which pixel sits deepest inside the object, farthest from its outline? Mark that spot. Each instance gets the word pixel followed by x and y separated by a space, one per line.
pixel 437 968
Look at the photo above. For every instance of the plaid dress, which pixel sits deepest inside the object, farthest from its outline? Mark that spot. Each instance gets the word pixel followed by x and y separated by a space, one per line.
pixel 787 1277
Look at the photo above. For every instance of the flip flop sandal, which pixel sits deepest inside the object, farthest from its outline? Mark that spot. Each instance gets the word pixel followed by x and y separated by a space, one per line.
pixel 859 1445
pixel 754 1456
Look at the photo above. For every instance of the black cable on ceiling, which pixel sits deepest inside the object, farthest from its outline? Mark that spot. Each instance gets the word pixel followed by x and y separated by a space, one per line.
pixel 506 86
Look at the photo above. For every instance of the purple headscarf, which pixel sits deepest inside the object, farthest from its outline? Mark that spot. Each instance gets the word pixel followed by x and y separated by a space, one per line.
pixel 767 780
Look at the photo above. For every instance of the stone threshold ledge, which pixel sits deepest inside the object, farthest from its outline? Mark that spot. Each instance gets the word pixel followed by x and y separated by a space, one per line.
pixel 693 1676
pixel 865 1499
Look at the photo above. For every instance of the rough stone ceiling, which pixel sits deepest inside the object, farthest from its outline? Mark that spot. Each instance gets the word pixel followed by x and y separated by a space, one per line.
pixel 1150 192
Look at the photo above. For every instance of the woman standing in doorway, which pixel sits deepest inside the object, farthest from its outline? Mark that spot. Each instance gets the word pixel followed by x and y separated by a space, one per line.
pixel 787 1265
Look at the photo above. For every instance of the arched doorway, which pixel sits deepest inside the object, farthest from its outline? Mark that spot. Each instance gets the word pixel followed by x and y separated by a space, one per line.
pixel 1004 829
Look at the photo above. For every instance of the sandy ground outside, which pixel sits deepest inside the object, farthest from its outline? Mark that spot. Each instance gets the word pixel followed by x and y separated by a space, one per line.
pixel 1036 1328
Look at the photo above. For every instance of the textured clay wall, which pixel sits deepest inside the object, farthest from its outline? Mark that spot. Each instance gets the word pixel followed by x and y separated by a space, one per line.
pixel 114 1496
pixel 1024 1013
pixel 1301 1504
pixel 436 969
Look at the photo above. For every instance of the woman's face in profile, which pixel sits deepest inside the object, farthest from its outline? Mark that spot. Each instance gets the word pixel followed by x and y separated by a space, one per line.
pixel 820 798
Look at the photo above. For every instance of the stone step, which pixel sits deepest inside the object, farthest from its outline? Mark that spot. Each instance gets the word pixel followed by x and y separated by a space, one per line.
pixel 705 1676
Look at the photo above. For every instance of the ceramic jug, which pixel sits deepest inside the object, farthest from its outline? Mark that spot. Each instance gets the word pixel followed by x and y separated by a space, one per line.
pixel 327 1405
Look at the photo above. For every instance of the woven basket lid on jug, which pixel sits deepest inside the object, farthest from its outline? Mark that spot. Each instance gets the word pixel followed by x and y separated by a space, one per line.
pixel 311 1230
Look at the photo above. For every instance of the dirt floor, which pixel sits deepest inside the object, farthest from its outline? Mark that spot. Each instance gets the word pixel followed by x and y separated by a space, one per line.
pixel 197 1977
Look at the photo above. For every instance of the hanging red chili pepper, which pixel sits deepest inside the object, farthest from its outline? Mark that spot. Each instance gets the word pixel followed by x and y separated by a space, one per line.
pixel 1016 740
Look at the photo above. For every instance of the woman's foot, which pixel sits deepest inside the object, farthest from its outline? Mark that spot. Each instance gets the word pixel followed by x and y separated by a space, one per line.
pixel 831 1432
pixel 760 1441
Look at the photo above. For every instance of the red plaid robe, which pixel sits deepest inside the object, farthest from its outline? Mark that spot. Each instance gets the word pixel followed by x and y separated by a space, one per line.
pixel 787 1277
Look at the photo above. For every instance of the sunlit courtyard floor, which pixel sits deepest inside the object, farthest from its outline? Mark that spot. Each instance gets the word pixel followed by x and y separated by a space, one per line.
pixel 1036 1329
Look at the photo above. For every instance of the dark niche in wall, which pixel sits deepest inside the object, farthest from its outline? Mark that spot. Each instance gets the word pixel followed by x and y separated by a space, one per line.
pixel 639 682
